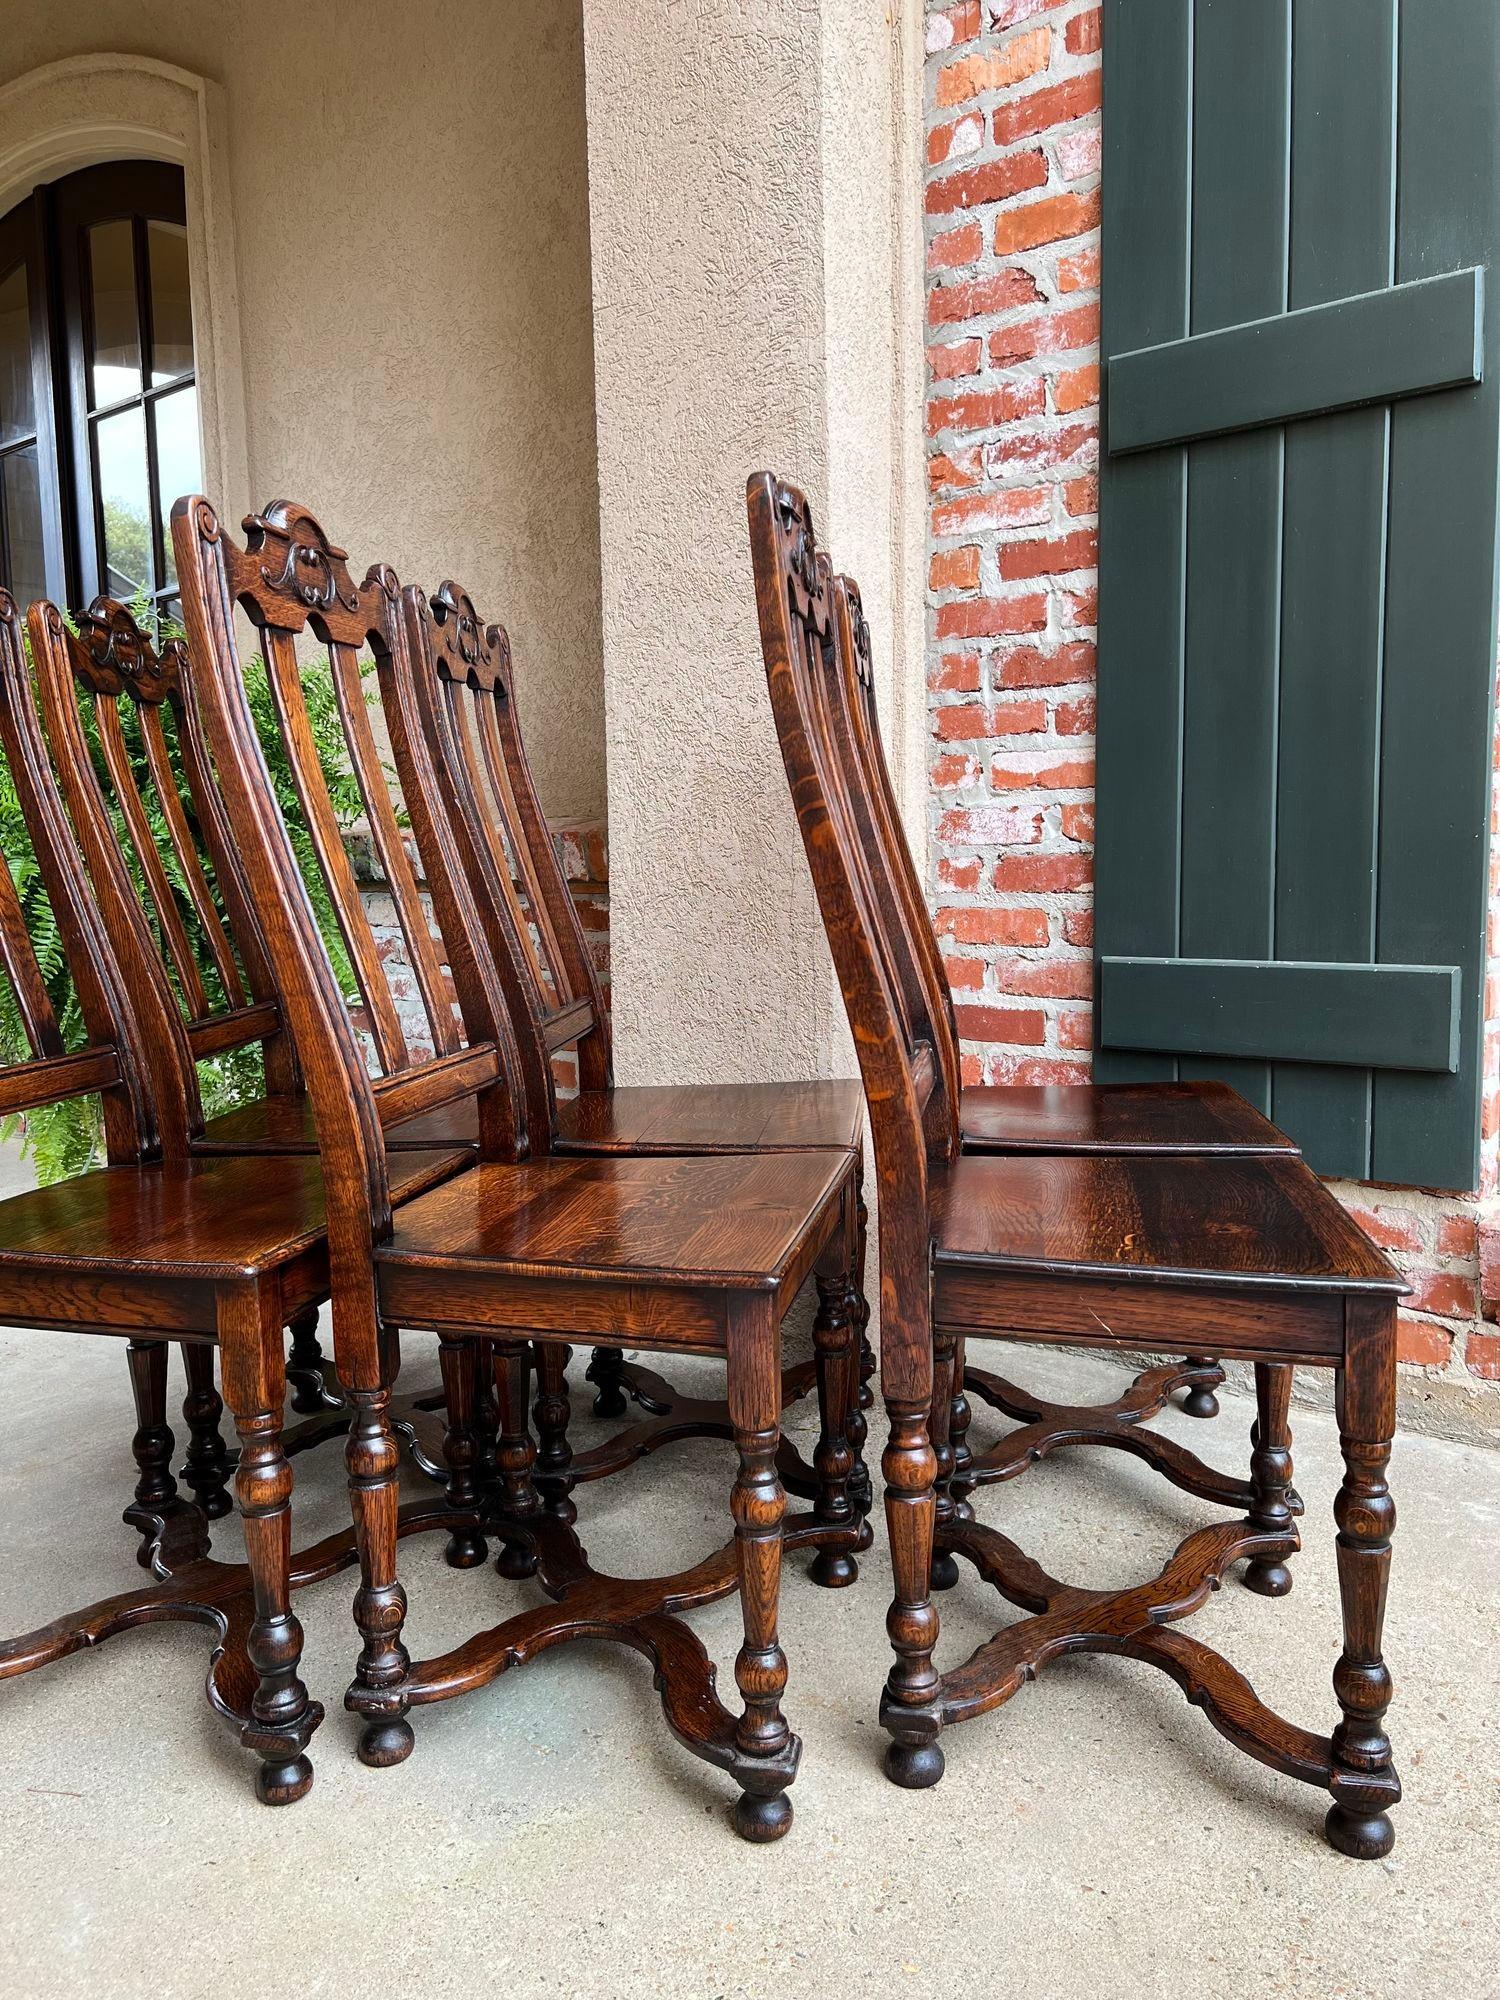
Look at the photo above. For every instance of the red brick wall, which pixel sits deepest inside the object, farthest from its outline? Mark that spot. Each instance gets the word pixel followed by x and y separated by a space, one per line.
pixel 1012 202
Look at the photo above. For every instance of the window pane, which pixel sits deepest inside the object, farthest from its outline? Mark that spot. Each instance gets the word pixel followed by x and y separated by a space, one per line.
pixel 115 363
pixel 179 469
pixel 23 526
pixel 171 304
pixel 17 417
pixel 124 502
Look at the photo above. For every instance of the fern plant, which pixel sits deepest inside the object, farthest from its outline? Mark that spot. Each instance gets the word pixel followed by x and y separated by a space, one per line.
pixel 65 1139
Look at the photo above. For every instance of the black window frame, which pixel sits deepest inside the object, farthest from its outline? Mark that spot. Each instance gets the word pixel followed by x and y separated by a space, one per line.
pixel 48 232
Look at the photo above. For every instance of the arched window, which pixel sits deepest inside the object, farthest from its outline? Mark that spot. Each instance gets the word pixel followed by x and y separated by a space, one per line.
pixel 98 400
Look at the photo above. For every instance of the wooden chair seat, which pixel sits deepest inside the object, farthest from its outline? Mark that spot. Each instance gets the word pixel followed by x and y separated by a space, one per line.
pixel 662 1119
pixel 713 1118
pixel 1197 1118
pixel 209 1219
pixel 733 1222
pixel 1270 1222
pixel 286 1125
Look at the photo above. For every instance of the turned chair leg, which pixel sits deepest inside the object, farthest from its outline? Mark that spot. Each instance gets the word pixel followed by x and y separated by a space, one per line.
pixel 1271 1474
pixel 944 1366
pixel 605 1369
pixel 960 1416
pixel 282 1717
pixel 552 1412
pixel 304 1368
pixel 909 1707
pixel 466 1547
pixel 837 1363
pixel 517 1501
pixel 763 1812
pixel 486 1414
pixel 1200 1400
pixel 377 1692
pixel 861 1489
pixel 155 1488
pixel 207 1466
pixel 1364 1782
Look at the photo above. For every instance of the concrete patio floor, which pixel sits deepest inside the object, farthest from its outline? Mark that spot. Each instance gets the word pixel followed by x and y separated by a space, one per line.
pixel 548 1837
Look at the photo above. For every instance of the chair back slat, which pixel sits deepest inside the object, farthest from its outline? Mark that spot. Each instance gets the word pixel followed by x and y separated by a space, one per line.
pixel 189 862
pixel 905 928
pixel 185 869
pixel 890 835
pixel 800 636
pixel 116 1059
pixel 439 714
pixel 285 675
pixel 33 1002
pixel 348 683
pixel 138 825
pixel 493 789
pixel 278 1053
pixel 486 811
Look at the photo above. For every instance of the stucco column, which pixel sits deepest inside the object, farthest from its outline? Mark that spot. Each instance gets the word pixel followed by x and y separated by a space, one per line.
pixel 753 191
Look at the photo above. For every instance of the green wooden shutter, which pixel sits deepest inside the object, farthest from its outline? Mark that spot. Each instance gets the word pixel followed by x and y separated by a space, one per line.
pixel 1297 618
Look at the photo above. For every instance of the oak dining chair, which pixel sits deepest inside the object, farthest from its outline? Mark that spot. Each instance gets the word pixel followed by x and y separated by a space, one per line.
pixel 1115 1252
pixel 674 1254
pixel 465 697
pixel 160 1246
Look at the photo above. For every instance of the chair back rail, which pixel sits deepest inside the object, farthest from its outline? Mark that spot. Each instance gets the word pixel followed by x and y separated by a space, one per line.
pixel 481 754
pixel 290 579
pixel 800 638
pixel 113 1062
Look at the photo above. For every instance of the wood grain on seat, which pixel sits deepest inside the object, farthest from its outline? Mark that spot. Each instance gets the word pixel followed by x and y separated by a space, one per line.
pixel 1261 1221
pixel 1201 1118
pixel 212 1218
pixel 733 1220
pixel 671 1118
pixel 712 1118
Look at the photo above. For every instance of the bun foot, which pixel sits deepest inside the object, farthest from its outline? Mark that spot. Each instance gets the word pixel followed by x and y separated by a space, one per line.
pixel 1362 1836
pixel 516 1561
pixel 1200 1402
pixel 762 1819
pixel 386 1742
pixel 1266 1578
pixel 833 1569
pixel 914 1766
pixel 610 1401
pixel 466 1549
pixel 944 1570
pixel 283 1784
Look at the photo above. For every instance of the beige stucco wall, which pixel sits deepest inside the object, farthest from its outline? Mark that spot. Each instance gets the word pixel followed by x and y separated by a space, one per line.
pixel 753 286
pixel 410 229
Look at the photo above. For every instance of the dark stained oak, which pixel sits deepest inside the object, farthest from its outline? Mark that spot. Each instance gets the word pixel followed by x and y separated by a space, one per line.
pixel 741 1218
pixel 1239 1250
pixel 655 1252
pixel 161 1244
pixel 1202 1119
pixel 713 1118
pixel 232 1218
pixel 1270 1222
pixel 465 696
